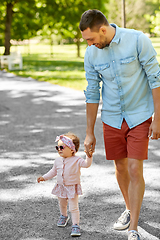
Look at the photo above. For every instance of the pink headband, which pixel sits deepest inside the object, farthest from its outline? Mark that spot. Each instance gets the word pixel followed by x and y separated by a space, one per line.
pixel 67 141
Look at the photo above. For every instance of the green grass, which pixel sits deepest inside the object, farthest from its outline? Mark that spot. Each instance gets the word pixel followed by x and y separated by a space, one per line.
pixel 63 67
pixel 62 72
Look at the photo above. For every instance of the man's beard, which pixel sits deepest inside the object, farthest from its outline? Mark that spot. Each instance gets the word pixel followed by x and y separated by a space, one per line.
pixel 101 45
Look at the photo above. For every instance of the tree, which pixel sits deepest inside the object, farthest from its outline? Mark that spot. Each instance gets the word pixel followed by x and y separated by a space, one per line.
pixel 8 21
pixel 152 16
pixel 24 18
pixel 69 13
pixel 134 13
pixel 123 14
pixel 73 14
pixel 155 23
pixel 21 21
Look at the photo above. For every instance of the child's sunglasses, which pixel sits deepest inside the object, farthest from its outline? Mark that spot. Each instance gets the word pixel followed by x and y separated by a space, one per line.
pixel 59 148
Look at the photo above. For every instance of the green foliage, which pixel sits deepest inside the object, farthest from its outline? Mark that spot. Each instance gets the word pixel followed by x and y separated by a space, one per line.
pixel 48 18
pixel 26 21
pixel 155 23
pixel 2 25
pixel 64 15
pixel 134 11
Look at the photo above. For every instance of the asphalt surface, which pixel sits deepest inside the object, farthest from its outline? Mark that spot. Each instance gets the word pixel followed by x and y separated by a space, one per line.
pixel 32 114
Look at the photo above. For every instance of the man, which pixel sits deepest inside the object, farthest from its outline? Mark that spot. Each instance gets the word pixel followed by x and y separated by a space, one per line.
pixel 125 62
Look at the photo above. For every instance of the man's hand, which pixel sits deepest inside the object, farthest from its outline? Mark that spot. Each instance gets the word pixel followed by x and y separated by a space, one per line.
pixel 89 144
pixel 154 130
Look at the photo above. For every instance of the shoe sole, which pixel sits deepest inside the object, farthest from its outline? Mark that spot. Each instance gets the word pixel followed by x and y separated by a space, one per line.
pixel 64 224
pixel 120 228
pixel 75 234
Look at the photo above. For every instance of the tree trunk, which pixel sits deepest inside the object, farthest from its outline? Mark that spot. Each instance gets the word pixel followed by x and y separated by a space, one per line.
pixel 78 48
pixel 9 12
pixel 123 14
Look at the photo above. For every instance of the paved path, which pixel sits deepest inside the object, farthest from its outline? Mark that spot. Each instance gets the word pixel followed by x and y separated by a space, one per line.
pixel 32 114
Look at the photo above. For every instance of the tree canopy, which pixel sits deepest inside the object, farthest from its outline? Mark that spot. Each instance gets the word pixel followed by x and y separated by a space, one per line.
pixel 21 19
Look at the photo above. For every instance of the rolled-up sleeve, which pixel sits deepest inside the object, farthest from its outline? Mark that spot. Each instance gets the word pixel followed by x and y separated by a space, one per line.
pixel 147 57
pixel 92 92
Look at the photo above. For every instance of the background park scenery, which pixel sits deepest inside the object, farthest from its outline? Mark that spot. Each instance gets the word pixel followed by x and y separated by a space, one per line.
pixel 46 34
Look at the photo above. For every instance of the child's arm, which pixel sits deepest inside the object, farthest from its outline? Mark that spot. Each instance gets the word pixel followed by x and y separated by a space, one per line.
pixel 87 162
pixel 50 174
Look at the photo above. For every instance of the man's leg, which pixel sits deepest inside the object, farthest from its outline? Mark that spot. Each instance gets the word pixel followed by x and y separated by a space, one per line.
pixel 123 179
pixel 129 174
pixel 136 190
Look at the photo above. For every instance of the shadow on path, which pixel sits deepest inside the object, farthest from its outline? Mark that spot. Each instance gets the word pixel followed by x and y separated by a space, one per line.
pixel 32 114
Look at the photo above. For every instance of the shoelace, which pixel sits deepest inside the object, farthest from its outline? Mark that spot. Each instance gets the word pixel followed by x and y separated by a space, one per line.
pixel 76 228
pixel 121 218
pixel 62 220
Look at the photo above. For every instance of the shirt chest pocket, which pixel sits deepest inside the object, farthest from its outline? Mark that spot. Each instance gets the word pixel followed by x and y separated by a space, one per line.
pixel 104 70
pixel 128 66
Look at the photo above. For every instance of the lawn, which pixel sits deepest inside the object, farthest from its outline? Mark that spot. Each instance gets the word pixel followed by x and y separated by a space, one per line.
pixel 63 67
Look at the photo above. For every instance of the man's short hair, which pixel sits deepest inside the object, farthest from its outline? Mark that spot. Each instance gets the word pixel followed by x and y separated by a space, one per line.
pixel 92 19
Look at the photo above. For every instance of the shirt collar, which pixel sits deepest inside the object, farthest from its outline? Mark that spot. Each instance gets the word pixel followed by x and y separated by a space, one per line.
pixel 116 38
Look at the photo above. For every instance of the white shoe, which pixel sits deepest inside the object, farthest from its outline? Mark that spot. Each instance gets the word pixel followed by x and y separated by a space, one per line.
pixel 133 235
pixel 123 221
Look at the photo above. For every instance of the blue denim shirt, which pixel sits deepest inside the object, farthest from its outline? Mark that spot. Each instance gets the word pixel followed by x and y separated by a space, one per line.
pixel 128 70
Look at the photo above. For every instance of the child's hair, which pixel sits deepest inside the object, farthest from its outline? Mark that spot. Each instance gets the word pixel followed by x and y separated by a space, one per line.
pixel 74 138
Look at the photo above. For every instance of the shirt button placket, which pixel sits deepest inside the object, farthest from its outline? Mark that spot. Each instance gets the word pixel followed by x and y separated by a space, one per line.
pixel 120 90
pixel 121 97
pixel 63 172
pixel 122 105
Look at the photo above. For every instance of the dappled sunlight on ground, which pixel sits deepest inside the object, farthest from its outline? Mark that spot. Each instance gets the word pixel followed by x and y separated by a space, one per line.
pixel 32 114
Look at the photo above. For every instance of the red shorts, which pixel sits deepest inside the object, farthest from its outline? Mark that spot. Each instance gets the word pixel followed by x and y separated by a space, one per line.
pixel 126 142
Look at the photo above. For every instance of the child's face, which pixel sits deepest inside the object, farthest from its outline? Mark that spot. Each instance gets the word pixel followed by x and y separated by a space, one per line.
pixel 66 152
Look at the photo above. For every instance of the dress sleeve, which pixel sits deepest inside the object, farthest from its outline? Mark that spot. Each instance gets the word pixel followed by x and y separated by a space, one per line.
pixel 85 163
pixel 51 173
pixel 148 60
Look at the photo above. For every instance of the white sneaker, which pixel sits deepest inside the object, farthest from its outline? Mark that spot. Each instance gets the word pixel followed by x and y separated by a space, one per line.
pixel 123 221
pixel 133 235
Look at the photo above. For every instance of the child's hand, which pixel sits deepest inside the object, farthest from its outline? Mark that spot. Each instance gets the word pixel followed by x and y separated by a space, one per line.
pixel 91 152
pixel 40 179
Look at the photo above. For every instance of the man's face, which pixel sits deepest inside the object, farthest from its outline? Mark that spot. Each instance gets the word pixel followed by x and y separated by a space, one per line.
pixel 95 38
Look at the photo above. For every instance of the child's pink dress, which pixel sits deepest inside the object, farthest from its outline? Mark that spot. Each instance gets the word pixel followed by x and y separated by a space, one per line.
pixel 68 174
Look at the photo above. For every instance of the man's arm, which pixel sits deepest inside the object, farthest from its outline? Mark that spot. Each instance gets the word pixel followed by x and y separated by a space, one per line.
pixel 91 115
pixel 154 130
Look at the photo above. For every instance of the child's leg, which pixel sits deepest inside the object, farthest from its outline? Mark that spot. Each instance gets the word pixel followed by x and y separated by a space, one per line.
pixel 74 209
pixel 63 206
